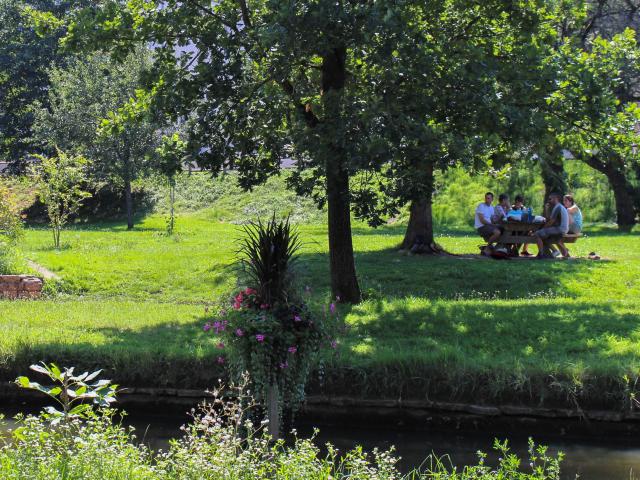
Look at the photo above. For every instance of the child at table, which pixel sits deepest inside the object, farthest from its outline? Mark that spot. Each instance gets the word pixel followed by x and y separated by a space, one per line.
pixel 518 209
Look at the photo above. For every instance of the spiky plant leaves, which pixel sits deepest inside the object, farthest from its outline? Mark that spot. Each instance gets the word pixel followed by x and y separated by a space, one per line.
pixel 267 254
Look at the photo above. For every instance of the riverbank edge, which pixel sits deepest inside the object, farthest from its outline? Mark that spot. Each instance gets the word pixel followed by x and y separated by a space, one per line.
pixel 352 410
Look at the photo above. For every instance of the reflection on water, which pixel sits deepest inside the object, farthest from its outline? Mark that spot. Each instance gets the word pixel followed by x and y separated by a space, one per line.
pixel 605 458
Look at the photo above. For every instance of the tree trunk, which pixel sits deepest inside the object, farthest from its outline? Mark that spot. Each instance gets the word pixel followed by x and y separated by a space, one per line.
pixel 344 282
pixel 128 198
pixel 625 211
pixel 419 235
pixel 553 174
pixel 624 194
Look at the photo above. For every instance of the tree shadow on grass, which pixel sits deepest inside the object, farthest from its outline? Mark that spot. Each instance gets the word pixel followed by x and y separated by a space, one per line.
pixel 388 273
pixel 558 353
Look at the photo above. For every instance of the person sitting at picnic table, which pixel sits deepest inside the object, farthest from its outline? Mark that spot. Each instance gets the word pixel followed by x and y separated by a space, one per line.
pixel 575 214
pixel 518 206
pixel 517 210
pixel 484 213
pixel 501 211
pixel 555 228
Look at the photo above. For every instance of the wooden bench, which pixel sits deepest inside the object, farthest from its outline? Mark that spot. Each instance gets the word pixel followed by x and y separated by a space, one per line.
pixel 517 233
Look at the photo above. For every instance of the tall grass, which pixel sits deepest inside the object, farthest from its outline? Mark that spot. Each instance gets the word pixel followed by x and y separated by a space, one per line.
pixel 216 446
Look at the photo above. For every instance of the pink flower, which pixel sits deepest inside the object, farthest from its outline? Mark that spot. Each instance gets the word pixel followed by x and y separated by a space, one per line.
pixel 334 344
pixel 284 365
pixel 237 305
pixel 250 291
pixel 297 318
pixel 260 337
pixel 220 345
pixel 220 360
pixel 292 349
pixel 239 332
pixel 264 306
pixel 207 327
pixel 332 308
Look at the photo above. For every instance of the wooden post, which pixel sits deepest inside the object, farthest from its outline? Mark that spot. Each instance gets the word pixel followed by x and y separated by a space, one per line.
pixel 273 411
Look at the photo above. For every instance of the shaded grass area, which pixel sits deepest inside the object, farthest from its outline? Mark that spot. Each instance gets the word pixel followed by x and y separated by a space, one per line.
pixel 448 328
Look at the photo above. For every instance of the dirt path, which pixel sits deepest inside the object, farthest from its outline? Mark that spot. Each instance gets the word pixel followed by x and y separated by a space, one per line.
pixel 44 272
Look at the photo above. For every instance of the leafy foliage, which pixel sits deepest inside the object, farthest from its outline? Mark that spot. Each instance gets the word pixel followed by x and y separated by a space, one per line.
pixel 61 183
pixel 270 333
pixel 221 444
pixel 82 103
pixel 25 60
pixel 10 221
pixel 267 254
pixel 70 391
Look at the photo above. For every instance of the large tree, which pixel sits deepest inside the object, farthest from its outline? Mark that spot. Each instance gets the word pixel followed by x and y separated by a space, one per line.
pixel 25 59
pixel 81 100
pixel 600 114
pixel 263 80
pixel 467 81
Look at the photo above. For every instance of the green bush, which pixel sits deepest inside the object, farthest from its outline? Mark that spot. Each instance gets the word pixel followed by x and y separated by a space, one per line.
pixel 222 199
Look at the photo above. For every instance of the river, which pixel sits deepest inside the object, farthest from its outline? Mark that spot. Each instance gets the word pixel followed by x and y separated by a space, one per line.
pixel 600 457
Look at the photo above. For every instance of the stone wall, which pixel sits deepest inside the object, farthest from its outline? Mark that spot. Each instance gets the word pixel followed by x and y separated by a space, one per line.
pixel 20 286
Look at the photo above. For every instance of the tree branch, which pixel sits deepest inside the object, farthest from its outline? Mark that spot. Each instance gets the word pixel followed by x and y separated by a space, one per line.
pixel 213 14
pixel 245 13
pixel 305 110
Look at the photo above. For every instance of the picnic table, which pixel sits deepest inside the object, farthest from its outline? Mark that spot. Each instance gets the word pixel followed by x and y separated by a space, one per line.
pixel 517 232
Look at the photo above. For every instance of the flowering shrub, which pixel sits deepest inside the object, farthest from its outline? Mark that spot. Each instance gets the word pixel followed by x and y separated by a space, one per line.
pixel 269 331
pixel 276 344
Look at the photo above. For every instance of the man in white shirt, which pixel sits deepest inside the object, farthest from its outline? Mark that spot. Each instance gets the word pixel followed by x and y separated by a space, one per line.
pixel 482 224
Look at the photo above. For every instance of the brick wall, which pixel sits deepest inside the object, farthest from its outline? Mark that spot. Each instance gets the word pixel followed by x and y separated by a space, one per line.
pixel 20 286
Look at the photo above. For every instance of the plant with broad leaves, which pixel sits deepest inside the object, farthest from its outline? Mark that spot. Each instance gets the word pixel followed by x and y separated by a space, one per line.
pixel 71 391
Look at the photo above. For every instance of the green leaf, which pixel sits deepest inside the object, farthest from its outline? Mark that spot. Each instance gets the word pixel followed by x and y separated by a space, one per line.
pixel 23 382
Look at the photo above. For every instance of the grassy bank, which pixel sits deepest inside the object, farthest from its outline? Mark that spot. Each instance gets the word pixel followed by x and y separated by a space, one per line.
pixel 552 332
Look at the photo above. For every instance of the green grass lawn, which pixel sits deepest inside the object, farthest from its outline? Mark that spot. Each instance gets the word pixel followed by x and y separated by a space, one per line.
pixel 541 332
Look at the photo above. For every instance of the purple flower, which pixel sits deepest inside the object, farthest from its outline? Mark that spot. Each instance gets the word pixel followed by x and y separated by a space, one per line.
pixel 284 365
pixel 220 326
pixel 239 332
pixel 260 337
pixel 334 344
pixel 207 327
pixel 220 345
pixel 293 349
pixel 332 308
pixel 297 318
pixel 220 360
